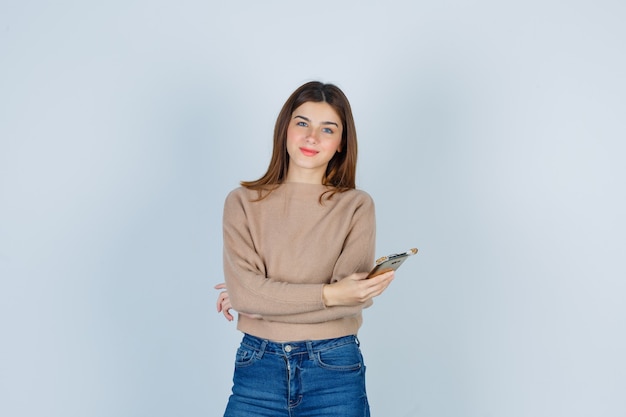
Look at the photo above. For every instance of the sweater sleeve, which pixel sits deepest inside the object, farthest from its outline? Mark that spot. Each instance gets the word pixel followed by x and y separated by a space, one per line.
pixel 249 289
pixel 357 256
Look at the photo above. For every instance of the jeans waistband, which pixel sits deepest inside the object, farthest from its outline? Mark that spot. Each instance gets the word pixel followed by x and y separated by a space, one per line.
pixel 297 347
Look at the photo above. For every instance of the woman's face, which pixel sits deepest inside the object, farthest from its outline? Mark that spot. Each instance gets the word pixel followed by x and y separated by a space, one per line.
pixel 313 138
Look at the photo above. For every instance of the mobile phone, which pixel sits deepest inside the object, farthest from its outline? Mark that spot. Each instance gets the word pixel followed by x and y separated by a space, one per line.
pixel 390 262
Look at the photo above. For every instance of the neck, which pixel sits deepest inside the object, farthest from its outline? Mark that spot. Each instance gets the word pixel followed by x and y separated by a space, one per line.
pixel 307 177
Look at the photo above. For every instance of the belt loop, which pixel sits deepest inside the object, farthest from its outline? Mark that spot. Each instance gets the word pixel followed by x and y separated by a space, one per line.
pixel 309 348
pixel 261 351
pixel 357 341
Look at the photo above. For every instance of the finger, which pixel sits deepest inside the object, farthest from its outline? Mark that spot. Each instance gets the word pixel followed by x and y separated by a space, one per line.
pixel 381 284
pixel 219 303
pixel 226 313
pixel 378 280
pixel 226 307
pixel 221 299
pixel 220 286
pixel 383 277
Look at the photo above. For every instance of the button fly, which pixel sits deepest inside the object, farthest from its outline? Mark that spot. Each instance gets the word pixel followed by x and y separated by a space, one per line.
pixel 288 348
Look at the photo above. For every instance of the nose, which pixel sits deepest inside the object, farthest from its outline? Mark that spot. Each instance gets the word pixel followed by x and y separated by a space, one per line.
pixel 312 136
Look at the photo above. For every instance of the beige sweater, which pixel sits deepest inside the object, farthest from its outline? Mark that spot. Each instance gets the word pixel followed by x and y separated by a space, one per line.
pixel 280 251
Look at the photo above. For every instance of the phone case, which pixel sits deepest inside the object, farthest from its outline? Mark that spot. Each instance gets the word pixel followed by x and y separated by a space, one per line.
pixel 390 263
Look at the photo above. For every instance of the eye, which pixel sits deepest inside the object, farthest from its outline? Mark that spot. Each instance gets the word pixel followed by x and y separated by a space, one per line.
pixel 328 130
pixel 303 124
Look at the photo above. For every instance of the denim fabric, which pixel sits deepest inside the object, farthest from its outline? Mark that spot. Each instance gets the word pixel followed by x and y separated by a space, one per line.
pixel 298 379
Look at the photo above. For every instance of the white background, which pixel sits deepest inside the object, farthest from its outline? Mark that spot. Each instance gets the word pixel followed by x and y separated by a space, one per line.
pixel 491 136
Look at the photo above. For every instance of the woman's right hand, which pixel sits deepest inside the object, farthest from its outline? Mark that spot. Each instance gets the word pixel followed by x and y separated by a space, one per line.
pixel 224 306
pixel 356 289
pixel 223 302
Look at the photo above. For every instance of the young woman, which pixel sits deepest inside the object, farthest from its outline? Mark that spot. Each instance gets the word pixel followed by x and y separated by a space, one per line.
pixel 298 244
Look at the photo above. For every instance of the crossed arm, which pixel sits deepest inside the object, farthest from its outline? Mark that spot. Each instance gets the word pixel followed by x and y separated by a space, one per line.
pixel 353 290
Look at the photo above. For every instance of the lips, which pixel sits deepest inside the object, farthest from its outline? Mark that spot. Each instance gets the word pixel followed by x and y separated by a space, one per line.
pixel 308 152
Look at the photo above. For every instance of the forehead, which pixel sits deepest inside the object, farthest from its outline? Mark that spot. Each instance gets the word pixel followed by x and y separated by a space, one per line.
pixel 317 111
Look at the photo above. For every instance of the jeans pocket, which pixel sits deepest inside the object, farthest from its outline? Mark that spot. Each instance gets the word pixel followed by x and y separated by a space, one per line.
pixel 246 356
pixel 341 358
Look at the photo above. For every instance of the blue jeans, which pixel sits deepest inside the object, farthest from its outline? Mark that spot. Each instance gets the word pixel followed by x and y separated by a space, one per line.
pixel 297 379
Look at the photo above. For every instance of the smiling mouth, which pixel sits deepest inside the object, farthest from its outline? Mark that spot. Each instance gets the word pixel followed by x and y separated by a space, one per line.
pixel 308 152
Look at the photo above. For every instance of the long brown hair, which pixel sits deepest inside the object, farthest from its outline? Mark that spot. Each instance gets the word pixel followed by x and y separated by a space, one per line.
pixel 341 170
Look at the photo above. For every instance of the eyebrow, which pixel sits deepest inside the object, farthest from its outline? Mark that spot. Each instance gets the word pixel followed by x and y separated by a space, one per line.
pixel 322 123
